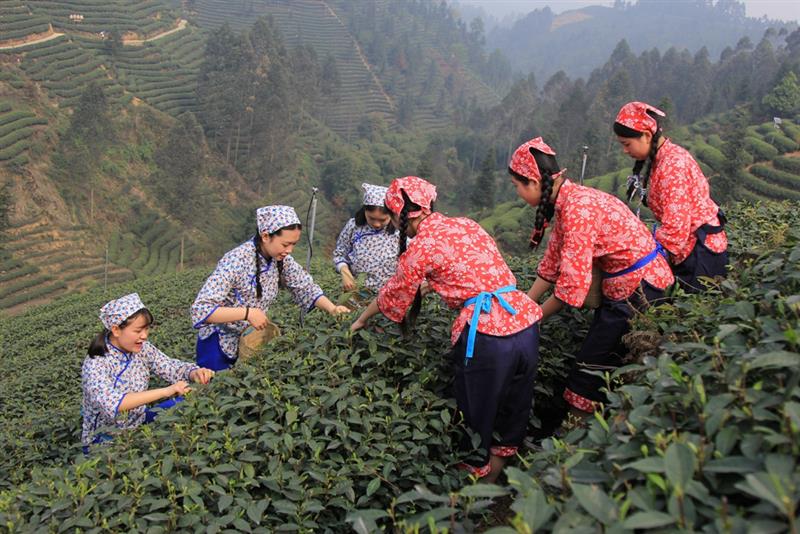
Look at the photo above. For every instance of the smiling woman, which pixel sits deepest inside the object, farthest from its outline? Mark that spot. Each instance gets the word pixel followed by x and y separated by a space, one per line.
pixel 245 283
pixel 116 373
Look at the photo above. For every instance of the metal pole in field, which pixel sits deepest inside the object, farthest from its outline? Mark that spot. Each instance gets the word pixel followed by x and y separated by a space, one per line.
pixel 181 265
pixel 313 209
pixel 105 273
pixel 583 164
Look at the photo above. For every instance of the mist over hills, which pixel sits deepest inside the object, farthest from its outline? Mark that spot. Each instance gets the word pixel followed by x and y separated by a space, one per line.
pixel 576 41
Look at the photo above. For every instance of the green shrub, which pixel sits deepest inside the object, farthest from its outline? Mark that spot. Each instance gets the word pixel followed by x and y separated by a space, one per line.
pixel 701 432
pixel 791 165
pixel 760 150
pixel 767 189
pixel 785 179
pixel 711 156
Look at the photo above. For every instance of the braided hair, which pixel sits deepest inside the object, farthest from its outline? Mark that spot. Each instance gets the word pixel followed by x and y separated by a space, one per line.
pixel 629 133
pixel 548 166
pixel 410 320
pixel 257 242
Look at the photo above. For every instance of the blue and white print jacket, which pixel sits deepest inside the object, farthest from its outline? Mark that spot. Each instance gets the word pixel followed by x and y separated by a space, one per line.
pixel 108 378
pixel 366 250
pixel 233 284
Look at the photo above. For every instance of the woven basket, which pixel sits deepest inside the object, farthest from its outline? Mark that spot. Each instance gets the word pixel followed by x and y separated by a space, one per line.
pixel 251 341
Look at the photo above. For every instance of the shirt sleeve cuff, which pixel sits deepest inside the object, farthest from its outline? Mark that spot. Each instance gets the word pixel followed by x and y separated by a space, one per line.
pixel 339 266
pixel 576 301
pixel 119 403
pixel 201 322
pixel 189 372
pixel 546 278
pixel 314 302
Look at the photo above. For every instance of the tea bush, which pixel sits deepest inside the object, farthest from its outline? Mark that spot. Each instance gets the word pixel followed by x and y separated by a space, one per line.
pixel 328 431
pixel 702 434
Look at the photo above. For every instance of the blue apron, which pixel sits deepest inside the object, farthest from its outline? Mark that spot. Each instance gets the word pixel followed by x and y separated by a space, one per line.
pixel 149 416
pixel 210 354
pixel 642 261
pixel 483 304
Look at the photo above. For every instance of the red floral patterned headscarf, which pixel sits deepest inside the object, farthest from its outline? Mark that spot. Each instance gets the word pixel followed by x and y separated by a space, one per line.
pixel 419 191
pixel 634 115
pixel 522 161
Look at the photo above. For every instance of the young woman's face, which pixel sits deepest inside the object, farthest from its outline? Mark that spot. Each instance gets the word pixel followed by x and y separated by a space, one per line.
pixel 377 218
pixel 411 227
pixel 637 148
pixel 282 244
pixel 131 338
pixel 530 191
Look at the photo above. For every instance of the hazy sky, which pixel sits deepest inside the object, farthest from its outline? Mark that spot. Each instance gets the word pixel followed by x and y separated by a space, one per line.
pixel 774 9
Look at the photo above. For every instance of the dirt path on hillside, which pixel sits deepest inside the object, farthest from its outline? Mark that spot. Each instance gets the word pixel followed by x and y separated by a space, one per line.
pixel 33 41
pixel 139 42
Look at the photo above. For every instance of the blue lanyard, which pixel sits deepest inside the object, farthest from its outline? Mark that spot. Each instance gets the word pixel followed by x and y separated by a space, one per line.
pixel 483 304
pixel 643 261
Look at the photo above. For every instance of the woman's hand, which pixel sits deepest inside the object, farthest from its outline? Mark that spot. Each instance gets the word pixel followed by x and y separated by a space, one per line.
pixel 201 376
pixel 425 288
pixel 358 324
pixel 181 387
pixel 339 310
pixel 348 281
pixel 257 318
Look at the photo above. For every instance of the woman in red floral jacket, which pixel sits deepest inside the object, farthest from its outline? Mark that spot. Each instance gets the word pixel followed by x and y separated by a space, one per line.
pixel 496 334
pixel 591 228
pixel 677 192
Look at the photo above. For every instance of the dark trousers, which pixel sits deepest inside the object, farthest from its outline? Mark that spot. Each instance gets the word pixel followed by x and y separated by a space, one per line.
pixel 603 349
pixel 494 388
pixel 702 262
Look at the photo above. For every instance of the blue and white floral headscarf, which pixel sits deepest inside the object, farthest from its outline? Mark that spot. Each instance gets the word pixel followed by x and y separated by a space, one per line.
pixel 270 219
pixel 374 195
pixel 115 312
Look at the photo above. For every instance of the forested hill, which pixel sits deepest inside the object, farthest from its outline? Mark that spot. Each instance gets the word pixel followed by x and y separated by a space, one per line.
pixel 137 136
pixel 575 41
pixel 407 62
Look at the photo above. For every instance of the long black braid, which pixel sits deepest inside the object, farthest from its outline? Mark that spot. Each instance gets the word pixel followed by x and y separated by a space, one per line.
pixel 257 242
pixel 629 133
pixel 548 166
pixel 410 320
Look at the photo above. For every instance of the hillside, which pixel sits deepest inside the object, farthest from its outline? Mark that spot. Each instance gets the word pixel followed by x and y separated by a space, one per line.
pixel 575 40
pixel 392 60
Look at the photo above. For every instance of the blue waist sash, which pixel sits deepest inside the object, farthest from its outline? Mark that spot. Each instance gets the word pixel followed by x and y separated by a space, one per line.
pixel 641 262
pixel 483 304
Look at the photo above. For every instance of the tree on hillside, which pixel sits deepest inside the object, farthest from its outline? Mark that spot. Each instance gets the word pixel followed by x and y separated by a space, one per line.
pixel 484 191
pixel 181 167
pixel 223 84
pixel 90 120
pixel 733 147
pixel 330 81
pixel 5 205
pixel 784 99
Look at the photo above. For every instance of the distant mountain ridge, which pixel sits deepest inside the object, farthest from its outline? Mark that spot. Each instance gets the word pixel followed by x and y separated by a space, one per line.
pixel 576 41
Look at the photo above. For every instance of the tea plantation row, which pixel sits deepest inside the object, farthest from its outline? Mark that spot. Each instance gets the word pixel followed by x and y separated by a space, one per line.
pixel 328 431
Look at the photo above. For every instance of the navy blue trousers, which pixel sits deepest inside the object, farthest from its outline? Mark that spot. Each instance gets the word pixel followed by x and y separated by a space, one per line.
pixel 494 389
pixel 603 349
pixel 702 262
